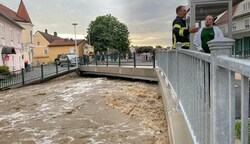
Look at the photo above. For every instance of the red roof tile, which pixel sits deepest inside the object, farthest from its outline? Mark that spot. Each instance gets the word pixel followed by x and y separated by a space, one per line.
pixel 10 13
pixel 65 42
pixel 50 38
pixel 224 17
pixel 22 12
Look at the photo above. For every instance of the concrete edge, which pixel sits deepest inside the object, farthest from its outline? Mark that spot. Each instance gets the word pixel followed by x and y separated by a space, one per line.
pixel 177 127
pixel 147 74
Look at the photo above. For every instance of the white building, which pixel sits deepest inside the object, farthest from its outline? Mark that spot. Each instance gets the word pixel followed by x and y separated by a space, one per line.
pixel 240 27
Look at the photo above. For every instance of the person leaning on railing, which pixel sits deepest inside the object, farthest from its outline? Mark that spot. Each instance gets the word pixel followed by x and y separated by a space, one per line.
pixel 180 29
pixel 209 32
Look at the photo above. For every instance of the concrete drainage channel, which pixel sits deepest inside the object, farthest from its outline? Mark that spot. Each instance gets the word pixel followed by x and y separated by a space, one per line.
pixel 178 130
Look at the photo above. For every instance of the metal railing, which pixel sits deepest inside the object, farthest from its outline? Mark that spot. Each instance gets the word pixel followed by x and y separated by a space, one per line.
pixel 204 87
pixel 24 76
pixel 133 59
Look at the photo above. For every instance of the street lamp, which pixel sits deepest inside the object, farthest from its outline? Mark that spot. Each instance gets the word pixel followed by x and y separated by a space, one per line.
pixel 75 24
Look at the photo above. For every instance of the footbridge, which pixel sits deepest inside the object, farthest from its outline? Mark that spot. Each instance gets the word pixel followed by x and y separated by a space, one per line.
pixel 199 91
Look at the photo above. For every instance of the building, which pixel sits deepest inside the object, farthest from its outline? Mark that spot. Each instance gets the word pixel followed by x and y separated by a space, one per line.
pixel 22 18
pixel 63 46
pixel 240 27
pixel 41 50
pixel 27 32
pixel 10 43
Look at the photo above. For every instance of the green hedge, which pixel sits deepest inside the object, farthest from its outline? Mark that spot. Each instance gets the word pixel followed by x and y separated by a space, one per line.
pixel 238 130
pixel 4 69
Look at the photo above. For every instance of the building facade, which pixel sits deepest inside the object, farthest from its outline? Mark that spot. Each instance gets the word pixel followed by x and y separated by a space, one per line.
pixel 240 28
pixel 21 17
pixel 41 50
pixel 11 44
pixel 63 46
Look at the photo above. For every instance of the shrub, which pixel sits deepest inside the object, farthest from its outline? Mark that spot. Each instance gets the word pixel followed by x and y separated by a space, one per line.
pixel 238 130
pixel 4 69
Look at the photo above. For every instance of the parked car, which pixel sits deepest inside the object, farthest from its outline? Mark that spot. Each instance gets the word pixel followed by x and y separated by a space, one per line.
pixel 68 59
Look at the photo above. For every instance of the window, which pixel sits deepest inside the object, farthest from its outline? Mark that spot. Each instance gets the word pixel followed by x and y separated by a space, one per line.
pixel 2 31
pixel 38 43
pixel 72 50
pixel 234 27
pixel 11 34
pixel 247 23
pixel 45 51
pixel 18 38
pixel 31 37
pixel 246 7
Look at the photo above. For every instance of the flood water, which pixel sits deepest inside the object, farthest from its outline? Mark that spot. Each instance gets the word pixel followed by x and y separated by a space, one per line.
pixel 78 110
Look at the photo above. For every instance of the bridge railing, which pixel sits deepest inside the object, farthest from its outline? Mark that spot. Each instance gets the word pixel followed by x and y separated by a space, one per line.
pixel 24 76
pixel 204 87
pixel 129 59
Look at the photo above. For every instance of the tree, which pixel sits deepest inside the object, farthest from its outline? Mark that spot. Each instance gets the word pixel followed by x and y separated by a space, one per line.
pixel 158 46
pixel 107 32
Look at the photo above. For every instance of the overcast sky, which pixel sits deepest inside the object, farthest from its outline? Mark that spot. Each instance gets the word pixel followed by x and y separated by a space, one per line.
pixel 149 21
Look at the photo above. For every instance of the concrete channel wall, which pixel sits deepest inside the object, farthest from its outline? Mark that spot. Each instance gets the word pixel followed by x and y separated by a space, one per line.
pixel 177 127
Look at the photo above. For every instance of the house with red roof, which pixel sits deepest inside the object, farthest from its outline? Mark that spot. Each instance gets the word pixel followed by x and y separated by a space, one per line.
pixel 41 50
pixel 63 46
pixel 240 27
pixel 21 17
pixel 48 47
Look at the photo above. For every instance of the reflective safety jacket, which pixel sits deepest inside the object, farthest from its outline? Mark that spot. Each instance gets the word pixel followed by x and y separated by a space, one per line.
pixel 180 33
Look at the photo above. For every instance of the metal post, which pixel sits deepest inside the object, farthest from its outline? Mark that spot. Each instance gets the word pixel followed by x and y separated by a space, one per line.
pixel 220 114
pixel 192 23
pixel 68 63
pixel 178 47
pixel 119 59
pixel 23 79
pixel 153 59
pixel 75 24
pixel 134 59
pixel 56 69
pixel 42 71
pixel 107 57
pixel 96 63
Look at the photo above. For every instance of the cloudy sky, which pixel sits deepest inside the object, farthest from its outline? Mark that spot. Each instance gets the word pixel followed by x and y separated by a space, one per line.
pixel 149 21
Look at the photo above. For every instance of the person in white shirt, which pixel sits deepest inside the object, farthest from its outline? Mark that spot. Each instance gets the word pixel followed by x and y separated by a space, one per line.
pixel 209 32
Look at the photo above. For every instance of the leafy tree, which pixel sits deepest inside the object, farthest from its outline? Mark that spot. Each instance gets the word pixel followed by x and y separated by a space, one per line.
pixel 107 32
pixel 158 46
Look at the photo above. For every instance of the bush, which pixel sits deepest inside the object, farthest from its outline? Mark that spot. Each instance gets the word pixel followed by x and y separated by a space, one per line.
pixel 4 69
pixel 238 130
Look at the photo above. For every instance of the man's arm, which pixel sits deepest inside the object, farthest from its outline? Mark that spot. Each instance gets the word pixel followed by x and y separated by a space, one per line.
pixel 197 41
pixel 178 30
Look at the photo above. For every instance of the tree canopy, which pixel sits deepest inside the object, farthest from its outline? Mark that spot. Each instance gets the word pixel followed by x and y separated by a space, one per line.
pixel 107 32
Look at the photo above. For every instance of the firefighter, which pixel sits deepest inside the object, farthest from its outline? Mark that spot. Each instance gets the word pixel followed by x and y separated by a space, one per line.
pixel 180 28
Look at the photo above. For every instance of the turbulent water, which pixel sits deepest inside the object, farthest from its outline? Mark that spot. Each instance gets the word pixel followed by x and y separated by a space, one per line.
pixel 74 109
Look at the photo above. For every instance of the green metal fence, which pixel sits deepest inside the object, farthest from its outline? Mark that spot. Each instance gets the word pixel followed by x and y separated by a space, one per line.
pixel 25 76
pixel 131 59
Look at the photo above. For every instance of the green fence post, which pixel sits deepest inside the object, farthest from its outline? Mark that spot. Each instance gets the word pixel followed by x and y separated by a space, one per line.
pixel 134 59
pixel 87 60
pixel 107 57
pixel 96 63
pixel 42 71
pixel 153 59
pixel 23 80
pixel 119 59
pixel 56 69
pixel 68 63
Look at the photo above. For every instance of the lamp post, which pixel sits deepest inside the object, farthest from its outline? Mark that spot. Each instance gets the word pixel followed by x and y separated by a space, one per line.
pixel 75 24
pixel 89 38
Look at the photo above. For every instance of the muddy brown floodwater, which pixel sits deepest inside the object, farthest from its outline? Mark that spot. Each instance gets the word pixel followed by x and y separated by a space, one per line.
pixel 77 110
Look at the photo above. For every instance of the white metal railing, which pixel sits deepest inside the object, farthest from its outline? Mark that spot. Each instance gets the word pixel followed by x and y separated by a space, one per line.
pixel 204 86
